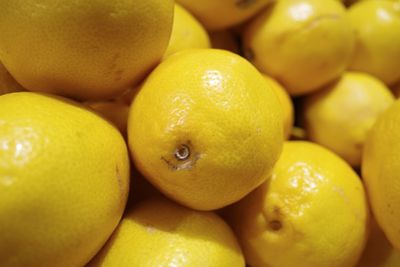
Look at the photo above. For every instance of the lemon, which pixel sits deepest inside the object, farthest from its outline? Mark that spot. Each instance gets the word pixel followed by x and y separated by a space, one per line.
pixel 204 128
pixel 379 252
pixel 187 33
pixel 83 49
pixel 115 111
pixel 340 116
pixel 287 105
pixel 377 47
pixel 311 212
pixel 381 172
pixel 63 181
pixel 158 232
pixel 7 83
pixel 222 14
pixel 304 44
pixel 225 39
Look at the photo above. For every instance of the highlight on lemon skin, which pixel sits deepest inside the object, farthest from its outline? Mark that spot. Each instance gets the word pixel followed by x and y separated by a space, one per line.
pixel 381 172
pixel 340 116
pixel 377 45
pixel 159 232
pixel 312 211
pixel 187 33
pixel 304 44
pixel 83 50
pixel 212 131
pixel 64 181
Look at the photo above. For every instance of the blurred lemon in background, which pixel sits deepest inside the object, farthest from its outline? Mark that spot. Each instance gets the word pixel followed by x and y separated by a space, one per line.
pixel 340 116
pixel 187 33
pixel 381 172
pixel 304 44
pixel 377 46
pixel 222 14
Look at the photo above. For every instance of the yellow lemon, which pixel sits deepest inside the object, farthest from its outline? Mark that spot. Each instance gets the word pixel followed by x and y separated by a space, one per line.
pixel 187 33
pixel 381 172
pixel 311 212
pixel 7 83
pixel 226 40
pixel 222 14
pixel 114 111
pixel 377 46
pixel 378 252
pixel 340 116
pixel 63 181
pixel 304 44
pixel 83 49
pixel 204 128
pixel 158 232
pixel 287 105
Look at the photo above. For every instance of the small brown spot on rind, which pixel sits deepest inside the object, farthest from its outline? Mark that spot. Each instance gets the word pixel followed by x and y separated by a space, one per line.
pixel 275 225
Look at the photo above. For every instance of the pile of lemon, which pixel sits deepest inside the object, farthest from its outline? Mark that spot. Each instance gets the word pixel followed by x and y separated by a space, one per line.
pixel 213 133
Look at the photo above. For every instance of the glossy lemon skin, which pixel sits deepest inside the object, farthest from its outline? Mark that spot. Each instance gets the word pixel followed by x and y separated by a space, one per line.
pixel 312 211
pixel 64 180
pixel 204 137
pixel 158 232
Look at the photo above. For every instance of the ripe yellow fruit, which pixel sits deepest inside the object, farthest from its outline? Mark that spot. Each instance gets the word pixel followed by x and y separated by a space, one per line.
pixel 378 252
pixel 7 83
pixel 222 14
pixel 114 111
pixel 304 44
pixel 205 127
pixel 311 212
pixel 63 181
pixel 158 232
pixel 377 46
pixel 340 116
pixel 287 105
pixel 187 33
pixel 83 49
pixel 381 172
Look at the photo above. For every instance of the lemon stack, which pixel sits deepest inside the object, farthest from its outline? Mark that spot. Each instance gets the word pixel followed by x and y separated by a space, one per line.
pixel 187 133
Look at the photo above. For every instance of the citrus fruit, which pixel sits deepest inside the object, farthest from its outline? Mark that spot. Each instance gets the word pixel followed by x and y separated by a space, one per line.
pixel 377 46
pixel 187 32
pixel 7 83
pixel 287 105
pixel 81 49
pixel 304 44
pixel 205 127
pixel 222 14
pixel 312 211
pixel 63 181
pixel 114 111
pixel 158 232
pixel 381 172
pixel 378 252
pixel 340 116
